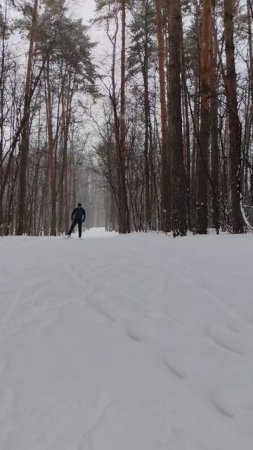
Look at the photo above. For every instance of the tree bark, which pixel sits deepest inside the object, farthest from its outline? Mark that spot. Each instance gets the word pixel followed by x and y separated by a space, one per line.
pixel 165 169
pixel 178 189
pixel 215 157
pixel 124 221
pixel 205 115
pixel 24 145
pixel 50 144
pixel 233 118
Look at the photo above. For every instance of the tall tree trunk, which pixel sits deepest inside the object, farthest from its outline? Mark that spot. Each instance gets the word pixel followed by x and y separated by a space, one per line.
pixel 165 172
pixel 24 145
pixel 186 128
pixel 113 99
pixel 250 177
pixel 175 121
pixel 145 73
pixel 51 162
pixel 2 90
pixel 124 221
pixel 66 114
pixel 234 123
pixel 204 134
pixel 215 159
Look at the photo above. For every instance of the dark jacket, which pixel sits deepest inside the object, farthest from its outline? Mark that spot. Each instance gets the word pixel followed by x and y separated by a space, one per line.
pixel 78 214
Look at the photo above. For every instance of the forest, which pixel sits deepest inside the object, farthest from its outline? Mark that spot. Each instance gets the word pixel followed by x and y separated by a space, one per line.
pixel 155 134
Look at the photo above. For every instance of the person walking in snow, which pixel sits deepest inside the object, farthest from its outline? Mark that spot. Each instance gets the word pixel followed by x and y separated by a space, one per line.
pixel 77 217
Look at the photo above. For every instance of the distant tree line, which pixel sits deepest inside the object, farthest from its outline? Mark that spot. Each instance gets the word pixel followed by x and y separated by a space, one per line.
pixel 176 145
pixel 173 150
pixel 44 72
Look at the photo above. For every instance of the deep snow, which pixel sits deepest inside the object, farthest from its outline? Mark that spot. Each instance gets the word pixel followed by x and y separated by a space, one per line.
pixel 139 342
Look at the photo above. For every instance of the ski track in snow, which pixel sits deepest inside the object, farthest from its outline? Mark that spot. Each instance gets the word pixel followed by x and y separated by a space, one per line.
pixel 136 342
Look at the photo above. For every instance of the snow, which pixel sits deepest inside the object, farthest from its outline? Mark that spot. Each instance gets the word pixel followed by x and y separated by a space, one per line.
pixel 138 342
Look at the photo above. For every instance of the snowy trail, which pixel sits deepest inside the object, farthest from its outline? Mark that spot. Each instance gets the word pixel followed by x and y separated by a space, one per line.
pixel 126 343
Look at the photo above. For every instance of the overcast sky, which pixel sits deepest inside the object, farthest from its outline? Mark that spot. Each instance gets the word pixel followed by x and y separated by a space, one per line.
pixel 83 8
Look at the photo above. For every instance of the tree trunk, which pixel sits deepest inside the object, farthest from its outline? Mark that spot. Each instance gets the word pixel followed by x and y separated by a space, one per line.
pixel 233 118
pixel 215 157
pixel 2 90
pixel 204 134
pixel 24 145
pixel 186 128
pixel 178 190
pixel 145 73
pixel 165 169
pixel 124 221
pixel 51 162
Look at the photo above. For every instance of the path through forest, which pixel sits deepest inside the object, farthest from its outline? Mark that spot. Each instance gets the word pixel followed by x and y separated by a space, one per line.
pixel 135 342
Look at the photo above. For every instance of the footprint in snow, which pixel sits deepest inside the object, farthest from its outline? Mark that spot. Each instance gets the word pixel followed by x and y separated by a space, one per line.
pixel 231 402
pixel 135 330
pixel 226 339
pixel 176 364
pixel 104 310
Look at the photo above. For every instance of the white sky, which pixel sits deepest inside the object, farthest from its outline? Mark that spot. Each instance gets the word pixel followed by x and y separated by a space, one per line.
pixel 83 8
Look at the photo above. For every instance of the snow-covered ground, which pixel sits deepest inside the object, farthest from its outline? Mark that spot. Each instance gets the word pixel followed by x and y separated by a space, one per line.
pixel 139 342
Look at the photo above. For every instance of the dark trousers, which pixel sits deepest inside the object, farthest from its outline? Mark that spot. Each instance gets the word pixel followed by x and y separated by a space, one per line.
pixel 74 223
